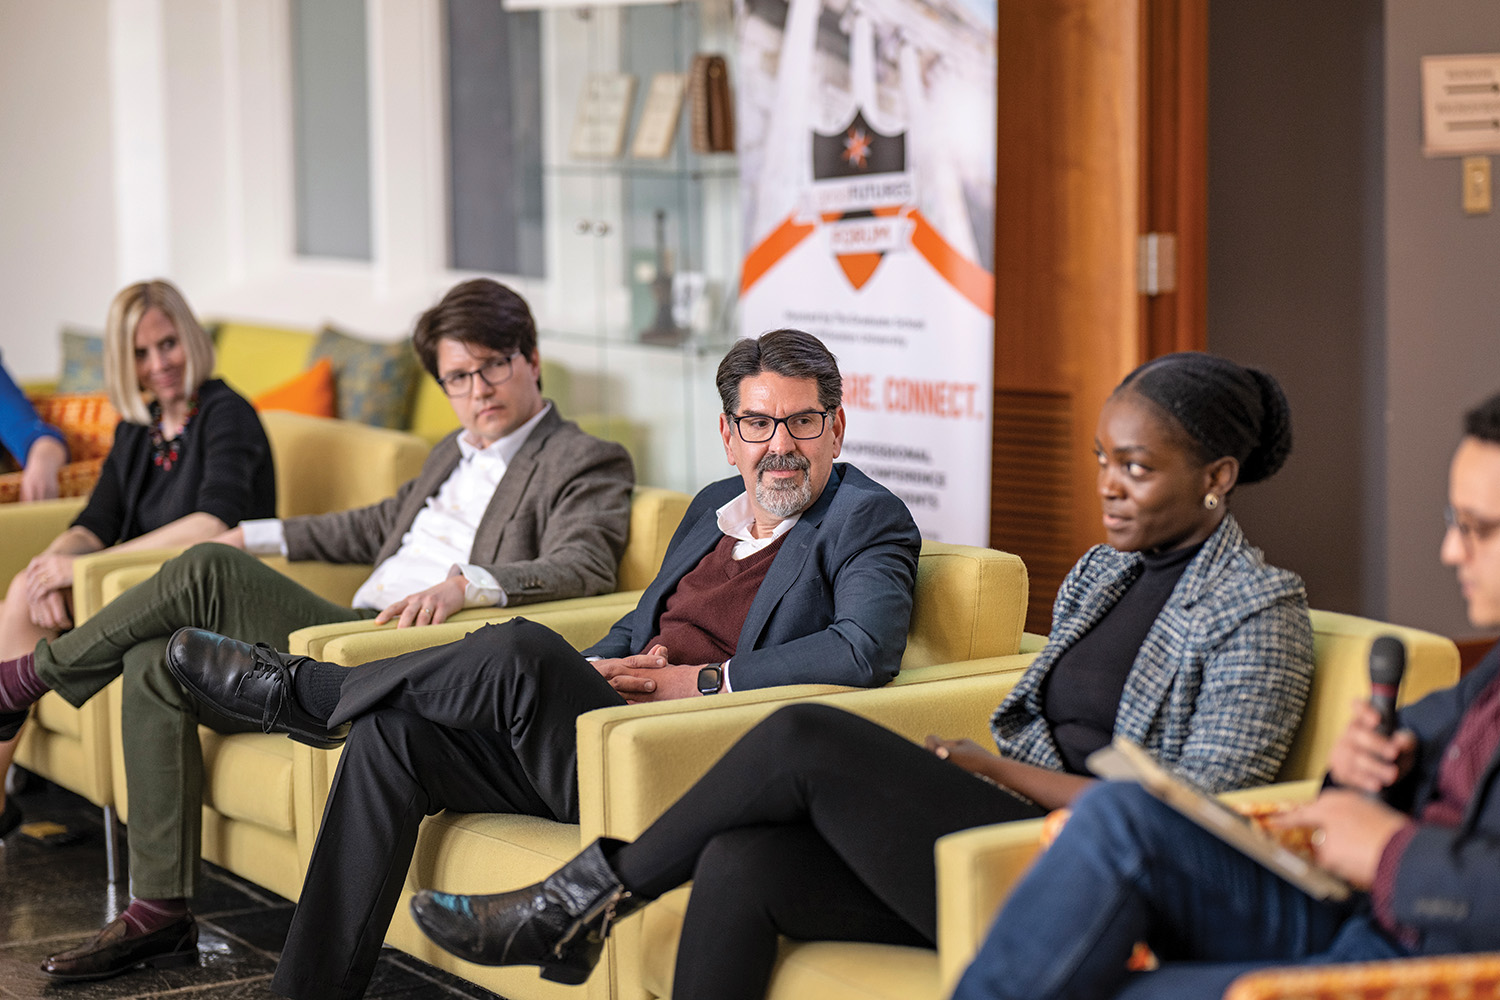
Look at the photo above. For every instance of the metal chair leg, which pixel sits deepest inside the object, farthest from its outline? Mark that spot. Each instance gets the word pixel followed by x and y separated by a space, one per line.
pixel 112 846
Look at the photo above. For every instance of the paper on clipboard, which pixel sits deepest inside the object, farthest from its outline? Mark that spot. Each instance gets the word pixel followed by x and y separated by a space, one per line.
pixel 1124 761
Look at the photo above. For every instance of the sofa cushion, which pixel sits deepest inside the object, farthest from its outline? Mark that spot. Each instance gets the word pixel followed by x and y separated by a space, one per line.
pixel 375 380
pixel 256 358
pixel 83 362
pixel 312 392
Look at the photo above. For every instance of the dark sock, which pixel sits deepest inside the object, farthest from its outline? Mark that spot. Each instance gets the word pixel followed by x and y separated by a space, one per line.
pixel 318 686
pixel 19 684
pixel 147 915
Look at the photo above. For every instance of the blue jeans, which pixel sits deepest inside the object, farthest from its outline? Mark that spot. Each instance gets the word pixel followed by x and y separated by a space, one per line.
pixel 1127 868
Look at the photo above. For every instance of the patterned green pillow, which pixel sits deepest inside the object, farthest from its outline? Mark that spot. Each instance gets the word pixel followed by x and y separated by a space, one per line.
pixel 375 381
pixel 83 362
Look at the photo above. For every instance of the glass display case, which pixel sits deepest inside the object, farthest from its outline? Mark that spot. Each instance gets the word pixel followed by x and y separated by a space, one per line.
pixel 642 232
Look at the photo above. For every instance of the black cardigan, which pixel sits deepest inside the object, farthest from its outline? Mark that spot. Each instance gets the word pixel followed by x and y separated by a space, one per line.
pixel 224 469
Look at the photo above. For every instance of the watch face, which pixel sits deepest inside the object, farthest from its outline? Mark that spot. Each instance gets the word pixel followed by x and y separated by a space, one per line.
pixel 709 680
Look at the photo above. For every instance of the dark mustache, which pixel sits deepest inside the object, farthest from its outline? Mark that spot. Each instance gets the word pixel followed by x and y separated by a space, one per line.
pixel 783 463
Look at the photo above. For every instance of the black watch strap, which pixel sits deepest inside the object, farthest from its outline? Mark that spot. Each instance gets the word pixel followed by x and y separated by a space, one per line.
pixel 711 679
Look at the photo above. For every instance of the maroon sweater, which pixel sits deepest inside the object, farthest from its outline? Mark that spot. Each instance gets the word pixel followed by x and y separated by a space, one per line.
pixel 705 614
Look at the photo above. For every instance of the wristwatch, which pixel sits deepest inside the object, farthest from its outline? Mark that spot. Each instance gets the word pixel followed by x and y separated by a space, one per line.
pixel 711 679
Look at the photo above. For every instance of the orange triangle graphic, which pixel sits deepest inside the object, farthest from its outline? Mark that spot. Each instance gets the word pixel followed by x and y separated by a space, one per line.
pixel 859 267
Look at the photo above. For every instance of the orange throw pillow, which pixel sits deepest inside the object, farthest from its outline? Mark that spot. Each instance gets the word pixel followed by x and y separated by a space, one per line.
pixel 86 419
pixel 312 392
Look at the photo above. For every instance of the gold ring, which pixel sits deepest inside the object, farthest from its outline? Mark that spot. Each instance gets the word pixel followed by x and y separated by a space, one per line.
pixel 1317 837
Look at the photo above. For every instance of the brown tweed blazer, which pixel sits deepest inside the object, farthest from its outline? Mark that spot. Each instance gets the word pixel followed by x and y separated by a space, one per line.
pixel 554 528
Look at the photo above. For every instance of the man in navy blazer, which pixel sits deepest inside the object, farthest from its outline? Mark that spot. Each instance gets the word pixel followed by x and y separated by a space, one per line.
pixel 796 570
pixel 1410 820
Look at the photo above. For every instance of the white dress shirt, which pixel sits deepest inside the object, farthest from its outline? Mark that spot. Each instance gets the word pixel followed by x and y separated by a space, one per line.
pixel 440 538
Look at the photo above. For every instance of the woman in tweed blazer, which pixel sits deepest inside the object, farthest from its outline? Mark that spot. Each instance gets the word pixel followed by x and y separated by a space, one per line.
pixel 820 824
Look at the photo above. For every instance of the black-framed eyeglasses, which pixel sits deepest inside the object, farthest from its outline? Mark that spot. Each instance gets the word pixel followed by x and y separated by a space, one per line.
pixel 496 372
pixel 1472 531
pixel 756 428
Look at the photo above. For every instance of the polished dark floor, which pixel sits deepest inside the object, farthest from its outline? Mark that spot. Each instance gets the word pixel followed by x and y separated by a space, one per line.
pixel 52 897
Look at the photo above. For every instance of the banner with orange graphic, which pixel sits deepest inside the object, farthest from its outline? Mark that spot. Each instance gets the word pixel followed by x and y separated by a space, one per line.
pixel 867 139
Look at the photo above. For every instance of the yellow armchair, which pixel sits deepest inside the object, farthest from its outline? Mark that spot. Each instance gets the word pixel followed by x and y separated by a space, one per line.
pixel 631 767
pixel 320 465
pixel 977 868
pixel 969 606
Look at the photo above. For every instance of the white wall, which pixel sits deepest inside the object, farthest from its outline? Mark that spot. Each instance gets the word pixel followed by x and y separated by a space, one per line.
pixel 1442 310
pixel 57 214
pixel 146 138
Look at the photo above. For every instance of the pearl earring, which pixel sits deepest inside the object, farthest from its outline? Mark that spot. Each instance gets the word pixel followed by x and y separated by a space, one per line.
pixel 1211 501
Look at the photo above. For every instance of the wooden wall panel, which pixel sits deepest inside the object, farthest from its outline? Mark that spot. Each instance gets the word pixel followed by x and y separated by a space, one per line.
pixel 1067 321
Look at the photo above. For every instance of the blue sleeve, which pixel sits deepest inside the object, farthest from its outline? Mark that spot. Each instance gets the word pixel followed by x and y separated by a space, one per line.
pixel 19 424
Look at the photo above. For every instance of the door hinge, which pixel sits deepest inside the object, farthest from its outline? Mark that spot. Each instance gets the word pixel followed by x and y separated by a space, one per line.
pixel 1156 263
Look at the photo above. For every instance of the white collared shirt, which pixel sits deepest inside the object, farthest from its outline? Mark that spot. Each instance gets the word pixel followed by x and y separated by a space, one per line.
pixel 737 520
pixel 441 536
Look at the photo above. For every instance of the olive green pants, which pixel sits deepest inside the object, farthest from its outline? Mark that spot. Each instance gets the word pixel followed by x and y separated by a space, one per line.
pixel 209 586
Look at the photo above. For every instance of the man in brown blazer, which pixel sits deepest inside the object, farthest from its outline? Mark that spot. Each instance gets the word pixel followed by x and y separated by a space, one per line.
pixel 516 506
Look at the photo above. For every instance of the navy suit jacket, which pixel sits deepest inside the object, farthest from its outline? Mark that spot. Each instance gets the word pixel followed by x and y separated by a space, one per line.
pixel 835 605
pixel 1448 879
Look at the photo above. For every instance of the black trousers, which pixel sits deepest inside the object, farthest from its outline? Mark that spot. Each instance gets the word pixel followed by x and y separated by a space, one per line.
pixel 485 724
pixel 816 825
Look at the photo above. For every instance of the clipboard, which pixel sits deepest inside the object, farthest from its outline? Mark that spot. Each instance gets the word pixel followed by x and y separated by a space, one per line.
pixel 1124 761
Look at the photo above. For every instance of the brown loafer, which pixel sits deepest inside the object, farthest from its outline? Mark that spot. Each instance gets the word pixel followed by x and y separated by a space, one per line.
pixel 112 952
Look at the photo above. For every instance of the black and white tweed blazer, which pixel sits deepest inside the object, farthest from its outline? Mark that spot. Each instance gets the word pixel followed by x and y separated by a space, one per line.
pixel 1218 687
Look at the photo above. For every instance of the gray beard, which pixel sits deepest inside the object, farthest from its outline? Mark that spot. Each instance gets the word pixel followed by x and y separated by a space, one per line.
pixel 784 501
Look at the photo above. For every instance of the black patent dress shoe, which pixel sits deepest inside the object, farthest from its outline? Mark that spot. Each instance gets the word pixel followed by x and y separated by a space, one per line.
pixel 250 683
pixel 559 923
pixel 10 817
pixel 112 951
pixel 10 724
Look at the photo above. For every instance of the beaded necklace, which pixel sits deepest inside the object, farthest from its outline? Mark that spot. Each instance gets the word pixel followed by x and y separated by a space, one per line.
pixel 163 452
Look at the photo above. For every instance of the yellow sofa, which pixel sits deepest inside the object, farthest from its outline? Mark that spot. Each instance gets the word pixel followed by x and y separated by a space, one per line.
pixel 253 823
pixel 966 625
pixel 637 765
pixel 320 465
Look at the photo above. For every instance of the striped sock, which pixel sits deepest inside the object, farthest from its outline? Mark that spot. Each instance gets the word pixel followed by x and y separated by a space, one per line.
pixel 147 915
pixel 19 684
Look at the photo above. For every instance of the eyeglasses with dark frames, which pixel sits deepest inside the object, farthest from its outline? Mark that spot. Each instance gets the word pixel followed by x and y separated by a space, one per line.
pixel 757 428
pixel 1472 531
pixel 494 372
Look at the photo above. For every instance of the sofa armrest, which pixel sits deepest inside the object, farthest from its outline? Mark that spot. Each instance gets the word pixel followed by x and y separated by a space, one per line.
pixel 978 868
pixel 27 528
pixel 92 587
pixel 636 760
pixel 581 621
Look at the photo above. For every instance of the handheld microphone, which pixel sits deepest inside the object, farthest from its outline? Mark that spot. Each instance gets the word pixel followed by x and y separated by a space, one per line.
pixel 1387 664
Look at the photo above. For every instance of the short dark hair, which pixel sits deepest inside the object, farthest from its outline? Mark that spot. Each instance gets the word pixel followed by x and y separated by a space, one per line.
pixel 1483 421
pixel 481 312
pixel 1224 408
pixel 789 353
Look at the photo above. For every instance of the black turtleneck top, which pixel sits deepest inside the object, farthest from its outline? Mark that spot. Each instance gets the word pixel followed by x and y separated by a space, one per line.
pixel 1081 693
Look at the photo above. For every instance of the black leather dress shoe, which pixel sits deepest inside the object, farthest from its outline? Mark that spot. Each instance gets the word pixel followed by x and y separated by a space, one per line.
pixel 112 952
pixel 10 724
pixel 249 683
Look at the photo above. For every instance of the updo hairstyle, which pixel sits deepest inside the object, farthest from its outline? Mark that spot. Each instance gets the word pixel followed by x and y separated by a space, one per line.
pixel 1224 408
